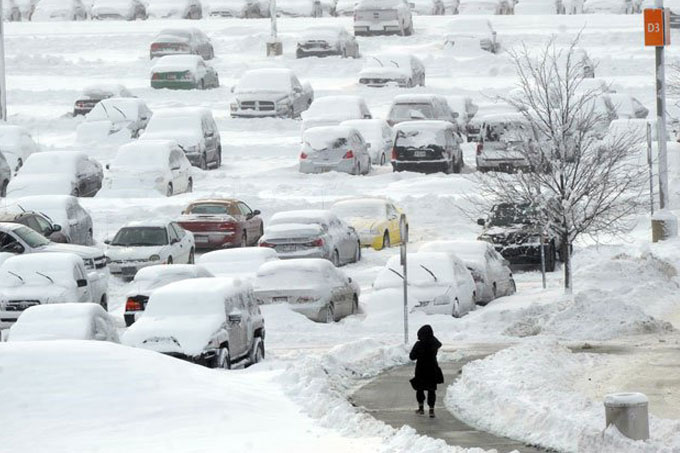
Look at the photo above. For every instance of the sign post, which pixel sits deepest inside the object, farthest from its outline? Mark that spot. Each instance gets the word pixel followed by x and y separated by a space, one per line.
pixel 274 45
pixel 3 90
pixel 657 35
pixel 403 232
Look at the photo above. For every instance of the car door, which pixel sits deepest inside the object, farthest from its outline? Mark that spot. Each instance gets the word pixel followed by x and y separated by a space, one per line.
pixel 466 287
pixel 82 285
pixel 184 244
pixel 299 101
pixel 175 247
pixel 339 295
pixel 393 223
pixel 209 135
pixel 237 318
pixel 179 173
pixel 251 223
pixel 364 157
pixel 348 247
pixel 84 177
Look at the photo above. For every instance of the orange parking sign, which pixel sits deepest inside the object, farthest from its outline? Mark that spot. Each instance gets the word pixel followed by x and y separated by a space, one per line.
pixel 654 27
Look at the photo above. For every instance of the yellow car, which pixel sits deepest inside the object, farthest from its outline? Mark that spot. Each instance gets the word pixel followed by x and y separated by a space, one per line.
pixel 376 220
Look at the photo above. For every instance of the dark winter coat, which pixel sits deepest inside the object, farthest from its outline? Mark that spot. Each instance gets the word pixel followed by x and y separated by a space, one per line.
pixel 424 352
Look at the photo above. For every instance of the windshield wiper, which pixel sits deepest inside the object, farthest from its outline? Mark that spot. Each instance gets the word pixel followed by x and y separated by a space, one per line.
pixel 430 272
pixel 16 275
pixel 121 112
pixel 395 63
pixel 400 276
pixel 379 62
pixel 46 276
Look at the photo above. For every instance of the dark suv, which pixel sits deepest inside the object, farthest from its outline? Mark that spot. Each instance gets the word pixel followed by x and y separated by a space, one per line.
pixel 515 233
pixel 37 222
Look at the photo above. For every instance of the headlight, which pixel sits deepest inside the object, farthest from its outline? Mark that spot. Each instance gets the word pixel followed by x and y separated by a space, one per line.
pixel 233 107
pixel 108 260
pixel 424 303
pixel 486 239
pixel 154 258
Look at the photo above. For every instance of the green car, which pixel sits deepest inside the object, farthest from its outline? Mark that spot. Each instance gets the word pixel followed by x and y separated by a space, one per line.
pixel 183 72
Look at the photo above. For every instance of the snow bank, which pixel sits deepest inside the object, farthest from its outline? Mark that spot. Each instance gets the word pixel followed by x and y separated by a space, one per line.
pixel 533 400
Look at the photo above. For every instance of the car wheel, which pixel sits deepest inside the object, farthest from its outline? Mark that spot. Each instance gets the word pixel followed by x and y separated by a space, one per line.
pixel 244 240
pixel 257 354
pixel 291 112
pixel 190 185
pixel 329 316
pixel 223 359
pixel 358 170
pixel 355 305
pixel 386 241
pixel 192 257
pixel 168 191
pixel 76 192
pixel 3 191
pixel 513 287
pixel 203 162
pixel 357 254
pixel 494 290
pixel 202 84
pixel 104 303
pixel 456 309
pixel 218 160
pixel 383 159
pixel 344 53
pixel 335 258
pixel 169 261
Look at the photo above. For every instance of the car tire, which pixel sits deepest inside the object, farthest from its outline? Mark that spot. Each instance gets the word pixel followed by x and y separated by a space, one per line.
pixel 104 302
pixel 76 192
pixel 3 190
pixel 383 159
pixel 456 309
pixel 357 254
pixel 244 240
pixel 513 287
pixel 335 259
pixel 257 355
pixel 192 257
pixel 201 86
pixel 168 191
pixel 203 162
pixel 169 260
pixel 494 290
pixel 355 305
pixel 190 185
pixel 223 358
pixel 329 314
pixel 386 241
pixel 458 167
pixel 358 170
pixel 218 159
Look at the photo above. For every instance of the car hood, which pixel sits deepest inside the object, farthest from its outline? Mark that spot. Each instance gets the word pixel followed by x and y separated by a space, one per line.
pixel 385 73
pixel 95 131
pixel 188 334
pixel 361 224
pixel 165 10
pixel 183 138
pixel 42 184
pixel 131 253
pixel 82 251
pixel 261 96
pixel 47 293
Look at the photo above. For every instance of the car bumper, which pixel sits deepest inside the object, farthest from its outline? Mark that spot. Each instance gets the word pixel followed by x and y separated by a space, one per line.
pixel 316 167
pixel 214 240
pixel 379 83
pixel 382 28
pixel 523 254
pixel 421 166
pixel 316 311
pixel 82 111
pixel 301 53
pixel 374 240
pixel 131 316
pixel 258 113
pixel 502 166
pixel 306 253
pixel 173 85
pixel 128 270
pixel 206 358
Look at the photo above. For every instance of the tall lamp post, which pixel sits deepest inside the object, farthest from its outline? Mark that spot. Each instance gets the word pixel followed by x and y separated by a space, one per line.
pixel 3 90
pixel 274 44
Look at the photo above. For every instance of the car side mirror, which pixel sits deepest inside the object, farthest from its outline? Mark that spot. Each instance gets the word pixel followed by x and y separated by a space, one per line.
pixel 174 241
pixel 455 114
pixel 108 166
pixel 349 279
pixel 256 212
pixel 481 222
pixel 175 168
pixel 56 228
pixel 210 134
pixel 81 283
pixel 107 241
pixel 232 89
pixel 15 247
pixel 368 145
pixel 235 317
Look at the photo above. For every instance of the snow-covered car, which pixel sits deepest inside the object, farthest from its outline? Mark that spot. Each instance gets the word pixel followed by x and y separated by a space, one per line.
pixel 194 129
pixel 403 70
pixel 426 147
pixel 181 41
pixel 214 322
pixel 57 173
pixel 345 7
pixel 471 32
pixel 466 109
pixel 145 243
pixel 473 128
pixel 438 283
pixel 608 7
pixel 542 7
pixel 60 10
pixel 19 239
pixel 376 133
pixel 64 210
pixel 490 271
pixel 333 110
pixel 44 278
pixel 241 262
pixel 37 222
pixel 245 9
pixel 328 40
pixel 626 106
pixel 414 107
pixel 381 17
pixel 183 72
pixel 222 222
pixel 93 94
pixel 119 117
pixel 270 92
pixel 17 10
pixel 16 144
pixel 503 144
pixel 486 7
pixel 67 321
pixel 159 166
pixel 376 220
pixel 153 277
pixel 312 233
pixel 118 9
pixel 334 148
pixel 312 287
pixel 299 8
pixel 427 7
pixel 5 175
pixel 177 9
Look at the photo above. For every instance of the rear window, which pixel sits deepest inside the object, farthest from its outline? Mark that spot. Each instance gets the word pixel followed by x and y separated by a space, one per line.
pixel 412 111
pixel 423 137
pixel 213 208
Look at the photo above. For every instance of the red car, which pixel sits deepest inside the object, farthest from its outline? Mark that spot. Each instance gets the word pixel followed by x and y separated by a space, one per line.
pixel 221 223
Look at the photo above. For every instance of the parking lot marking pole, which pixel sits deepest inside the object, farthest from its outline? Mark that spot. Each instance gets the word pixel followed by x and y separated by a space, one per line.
pixel 651 171
pixel 3 91
pixel 403 233
pixel 543 258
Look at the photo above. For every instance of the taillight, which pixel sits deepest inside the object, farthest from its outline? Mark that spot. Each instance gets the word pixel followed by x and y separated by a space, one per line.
pixel 480 147
pixel 229 226
pixel 80 104
pixel 317 243
pixel 155 76
pixel 394 153
pixel 133 305
pixel 356 16
pixel 303 155
pixel 187 76
pixel 266 244
pixel 155 46
pixel 348 155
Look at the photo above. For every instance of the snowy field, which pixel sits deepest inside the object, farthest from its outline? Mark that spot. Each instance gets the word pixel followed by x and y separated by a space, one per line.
pixel 84 397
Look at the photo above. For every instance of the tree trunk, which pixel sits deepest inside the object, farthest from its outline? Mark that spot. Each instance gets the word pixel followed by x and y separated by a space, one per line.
pixel 566 257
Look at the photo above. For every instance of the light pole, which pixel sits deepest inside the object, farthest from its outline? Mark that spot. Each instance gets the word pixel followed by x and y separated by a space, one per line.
pixel 3 90
pixel 403 232
pixel 274 45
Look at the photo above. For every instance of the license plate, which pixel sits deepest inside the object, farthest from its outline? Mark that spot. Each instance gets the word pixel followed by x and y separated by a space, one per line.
pixel 201 239
pixel 129 270
pixel 285 248
pixel 279 299
pixel 419 153
pixel 171 77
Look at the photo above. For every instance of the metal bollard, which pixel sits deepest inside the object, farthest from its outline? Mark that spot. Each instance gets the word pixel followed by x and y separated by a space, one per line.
pixel 628 412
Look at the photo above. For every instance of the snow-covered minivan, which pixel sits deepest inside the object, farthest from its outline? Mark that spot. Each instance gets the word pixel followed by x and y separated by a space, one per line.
pixel 214 322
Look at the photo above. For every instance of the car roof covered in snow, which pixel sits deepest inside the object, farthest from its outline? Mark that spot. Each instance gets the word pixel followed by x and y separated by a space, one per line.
pixel 468 24
pixel 303 216
pixel 68 321
pixel 416 98
pixel 177 32
pixel 315 265
pixel 322 31
pixel 337 102
pixel 45 202
pixel 465 250
pixel 31 262
pixel 290 229
pixel 441 264
pixel 239 254
pixel 324 134
pixel 181 112
pixel 515 117
pixel 10 132
pixel 153 151
pixel 52 161
pixel 363 201
pixel 208 292
pixel 421 125
pixel 162 271
pixel 172 63
pixel 377 4
pixel 265 79
pixel 100 90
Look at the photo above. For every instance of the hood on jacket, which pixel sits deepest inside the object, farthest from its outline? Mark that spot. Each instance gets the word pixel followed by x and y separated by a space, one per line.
pixel 426 335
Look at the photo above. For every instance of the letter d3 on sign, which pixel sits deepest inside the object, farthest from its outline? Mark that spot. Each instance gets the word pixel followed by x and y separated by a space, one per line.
pixel 654 27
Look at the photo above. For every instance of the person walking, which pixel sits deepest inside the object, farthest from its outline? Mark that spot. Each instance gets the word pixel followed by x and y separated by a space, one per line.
pixel 428 374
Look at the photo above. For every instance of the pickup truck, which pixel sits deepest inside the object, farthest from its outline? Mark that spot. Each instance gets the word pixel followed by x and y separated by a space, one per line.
pixel 383 17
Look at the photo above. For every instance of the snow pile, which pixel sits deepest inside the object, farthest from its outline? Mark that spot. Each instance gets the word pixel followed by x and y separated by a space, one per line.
pixel 533 400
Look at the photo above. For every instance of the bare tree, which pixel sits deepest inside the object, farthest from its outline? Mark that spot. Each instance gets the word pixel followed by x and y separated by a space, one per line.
pixel 577 183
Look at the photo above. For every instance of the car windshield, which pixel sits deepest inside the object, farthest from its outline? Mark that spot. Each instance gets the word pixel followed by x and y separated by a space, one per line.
pixel 140 236
pixel 213 208
pixel 109 111
pixel 31 237
pixel 173 124
pixel 413 111
pixel 388 62
pixel 509 214
pixel 510 132
pixel 360 210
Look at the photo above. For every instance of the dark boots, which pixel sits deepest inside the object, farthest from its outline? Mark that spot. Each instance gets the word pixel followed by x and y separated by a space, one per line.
pixel 420 410
pixel 432 412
